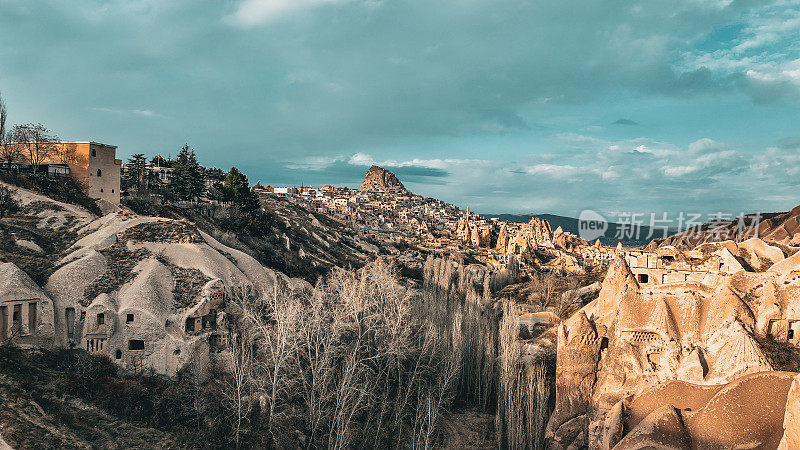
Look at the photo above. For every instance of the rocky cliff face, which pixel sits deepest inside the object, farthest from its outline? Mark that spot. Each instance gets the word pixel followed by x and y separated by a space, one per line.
pixel 380 179
pixel 675 320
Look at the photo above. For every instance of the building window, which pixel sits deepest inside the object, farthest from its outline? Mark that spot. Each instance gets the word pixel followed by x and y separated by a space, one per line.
pixel 135 344
pixel 112 191
pixel 101 319
pixel 99 173
pixel 118 354
pixel 644 278
pixel 790 334
pixel 129 318
pixel 101 189
pixel 94 152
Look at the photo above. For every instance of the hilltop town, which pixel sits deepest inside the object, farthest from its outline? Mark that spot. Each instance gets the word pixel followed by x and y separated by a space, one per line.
pixel 385 210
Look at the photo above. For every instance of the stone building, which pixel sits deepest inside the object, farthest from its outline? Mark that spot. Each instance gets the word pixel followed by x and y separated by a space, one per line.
pixel 95 166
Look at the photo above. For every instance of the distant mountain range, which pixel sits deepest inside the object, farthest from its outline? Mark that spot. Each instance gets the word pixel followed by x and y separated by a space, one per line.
pixel 570 224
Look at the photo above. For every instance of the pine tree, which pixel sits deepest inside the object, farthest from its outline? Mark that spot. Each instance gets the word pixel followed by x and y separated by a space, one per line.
pixel 237 191
pixel 180 179
pixel 195 174
pixel 187 178
pixel 134 177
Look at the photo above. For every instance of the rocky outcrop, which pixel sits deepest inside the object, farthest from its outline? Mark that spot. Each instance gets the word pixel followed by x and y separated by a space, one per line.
pixel 698 317
pixel 149 293
pixel 746 413
pixel 791 419
pixel 381 180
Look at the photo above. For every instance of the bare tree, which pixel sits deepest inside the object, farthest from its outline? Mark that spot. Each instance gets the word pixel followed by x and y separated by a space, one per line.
pixel 8 150
pixel 66 153
pixel 3 117
pixel 355 359
pixel 543 287
pixel 238 392
pixel 35 142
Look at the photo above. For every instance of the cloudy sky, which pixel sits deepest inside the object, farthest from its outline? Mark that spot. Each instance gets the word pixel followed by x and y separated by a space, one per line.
pixel 502 105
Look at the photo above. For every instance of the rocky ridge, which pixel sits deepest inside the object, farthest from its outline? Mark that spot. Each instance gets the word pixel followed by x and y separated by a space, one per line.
pixel 775 228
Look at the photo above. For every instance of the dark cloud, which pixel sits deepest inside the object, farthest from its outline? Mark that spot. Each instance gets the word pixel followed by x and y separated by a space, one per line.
pixel 489 81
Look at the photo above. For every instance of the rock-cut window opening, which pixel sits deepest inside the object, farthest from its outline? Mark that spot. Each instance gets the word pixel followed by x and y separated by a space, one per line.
pixel 135 344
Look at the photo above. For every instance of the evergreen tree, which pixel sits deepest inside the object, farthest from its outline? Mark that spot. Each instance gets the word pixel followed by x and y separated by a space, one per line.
pixel 237 190
pixel 181 182
pixel 195 175
pixel 187 177
pixel 135 177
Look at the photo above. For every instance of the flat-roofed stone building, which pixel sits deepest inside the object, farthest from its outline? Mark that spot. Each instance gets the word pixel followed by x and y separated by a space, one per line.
pixel 97 167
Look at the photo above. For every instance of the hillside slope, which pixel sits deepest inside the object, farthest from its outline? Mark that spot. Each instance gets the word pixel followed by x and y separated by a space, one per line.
pixel 297 242
pixel 40 406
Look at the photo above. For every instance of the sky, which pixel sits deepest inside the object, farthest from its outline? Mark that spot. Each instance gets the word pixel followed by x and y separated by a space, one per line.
pixel 505 106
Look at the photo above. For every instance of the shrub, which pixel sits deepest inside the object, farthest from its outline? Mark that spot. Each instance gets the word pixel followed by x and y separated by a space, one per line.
pixel 8 204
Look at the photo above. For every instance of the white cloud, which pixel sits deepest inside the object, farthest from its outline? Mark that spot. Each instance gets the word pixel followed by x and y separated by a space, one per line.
pixel 552 170
pixel 138 112
pixel 315 163
pixel 251 13
pixel 363 159
pixel 679 171
pixel 764 57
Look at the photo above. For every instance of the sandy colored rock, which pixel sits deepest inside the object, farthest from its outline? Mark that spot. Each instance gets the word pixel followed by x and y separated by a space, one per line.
pixel 791 419
pixel 661 429
pixel 380 179
pixel 613 426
